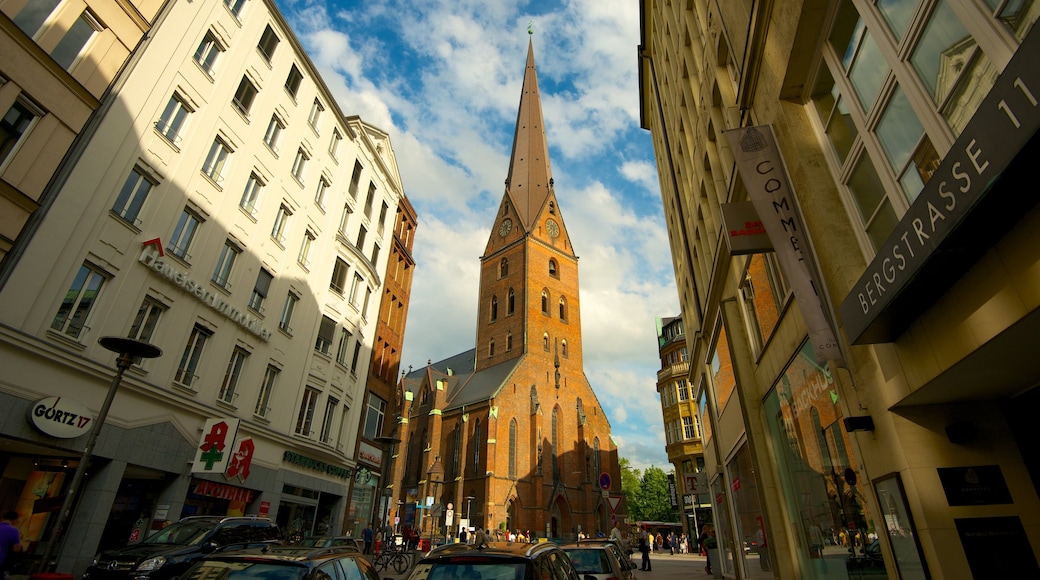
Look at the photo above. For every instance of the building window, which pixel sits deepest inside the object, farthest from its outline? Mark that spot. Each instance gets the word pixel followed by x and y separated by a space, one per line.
pixel 222 272
pixel 375 254
pixel 564 350
pixel 552 207
pixel 299 164
pixel 285 319
pixel 337 140
pixel 355 180
pixel 183 234
pixel 362 232
pixel 244 96
pixel 509 341
pixel 251 194
pixel 491 348
pixel 235 7
pixel 216 161
pixel 33 14
pixel 315 116
pixel 503 267
pixel 68 50
pixel 545 302
pixel 330 416
pixel 14 126
pixel 476 447
pixel 281 222
pixel 354 286
pixel 146 320
pixel 185 374
pixel 274 133
pixel 344 220
pixel 207 52
pixel 357 355
pixel 133 195
pixel 512 449
pixel 268 43
pixel 326 332
pixel 374 415
pixel 292 82
pixel 260 290
pixel 75 309
pixel 306 416
pixel 555 441
pixel 263 399
pixel 545 342
pixel 339 276
pixel 552 269
pixel 684 389
pixel 305 249
pixel 494 308
pixel 172 120
pixel 232 375
pixel 510 302
pixel 382 217
pixel 595 455
pixel 368 200
pixel 341 348
pixel 368 298
pixel 563 309
pixel 689 432
pixel 319 195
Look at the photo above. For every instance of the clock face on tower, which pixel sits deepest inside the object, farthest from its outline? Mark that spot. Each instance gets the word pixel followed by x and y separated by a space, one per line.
pixel 505 228
pixel 552 227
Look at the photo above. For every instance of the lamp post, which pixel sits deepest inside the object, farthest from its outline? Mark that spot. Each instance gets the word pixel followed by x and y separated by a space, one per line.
pixel 128 350
pixel 388 442
pixel 435 475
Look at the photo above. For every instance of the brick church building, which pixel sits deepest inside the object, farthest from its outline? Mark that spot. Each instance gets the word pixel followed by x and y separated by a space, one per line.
pixel 510 434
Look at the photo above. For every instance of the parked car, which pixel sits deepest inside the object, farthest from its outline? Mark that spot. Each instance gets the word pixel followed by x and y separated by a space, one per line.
pixel 600 560
pixel 620 545
pixel 284 563
pixel 330 542
pixel 170 551
pixel 496 561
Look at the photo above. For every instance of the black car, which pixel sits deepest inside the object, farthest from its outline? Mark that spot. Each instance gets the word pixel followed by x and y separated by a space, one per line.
pixel 496 561
pixel 284 563
pixel 170 551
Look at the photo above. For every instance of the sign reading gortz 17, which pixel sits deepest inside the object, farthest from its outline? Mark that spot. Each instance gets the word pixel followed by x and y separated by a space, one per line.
pixel 150 257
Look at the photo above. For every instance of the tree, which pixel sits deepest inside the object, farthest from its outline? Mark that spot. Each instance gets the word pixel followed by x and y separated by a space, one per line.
pixel 653 497
pixel 630 488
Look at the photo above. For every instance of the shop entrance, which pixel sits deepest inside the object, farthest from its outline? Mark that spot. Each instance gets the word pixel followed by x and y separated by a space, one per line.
pixel 130 519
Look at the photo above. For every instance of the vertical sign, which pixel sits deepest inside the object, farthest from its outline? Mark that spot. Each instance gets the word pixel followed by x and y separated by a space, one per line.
pixel 765 177
pixel 671 491
pixel 214 450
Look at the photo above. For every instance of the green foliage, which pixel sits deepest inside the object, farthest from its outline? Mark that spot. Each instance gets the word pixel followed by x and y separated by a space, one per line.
pixel 646 493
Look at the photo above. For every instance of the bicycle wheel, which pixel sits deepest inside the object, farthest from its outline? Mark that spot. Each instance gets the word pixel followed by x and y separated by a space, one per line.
pixel 400 563
pixel 380 562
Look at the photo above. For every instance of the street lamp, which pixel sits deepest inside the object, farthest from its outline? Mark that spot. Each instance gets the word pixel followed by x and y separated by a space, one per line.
pixel 388 442
pixel 436 475
pixel 128 350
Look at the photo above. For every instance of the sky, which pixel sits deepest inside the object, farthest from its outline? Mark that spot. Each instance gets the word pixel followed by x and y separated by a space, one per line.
pixel 443 78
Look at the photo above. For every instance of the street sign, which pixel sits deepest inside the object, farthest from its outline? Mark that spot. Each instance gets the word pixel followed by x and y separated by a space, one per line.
pixel 429 501
pixel 449 516
pixel 614 502
pixel 604 480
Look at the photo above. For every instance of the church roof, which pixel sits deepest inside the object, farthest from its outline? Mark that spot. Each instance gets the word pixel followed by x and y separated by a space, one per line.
pixel 528 181
pixel 465 387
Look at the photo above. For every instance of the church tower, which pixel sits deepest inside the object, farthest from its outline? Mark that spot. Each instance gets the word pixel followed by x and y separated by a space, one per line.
pixel 529 272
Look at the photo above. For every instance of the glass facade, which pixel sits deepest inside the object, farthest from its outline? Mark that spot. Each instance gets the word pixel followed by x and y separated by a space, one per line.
pixel 824 491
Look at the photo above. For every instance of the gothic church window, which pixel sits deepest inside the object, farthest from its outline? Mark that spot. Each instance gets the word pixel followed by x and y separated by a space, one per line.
pixel 491 348
pixel 494 308
pixel 563 348
pixel 563 308
pixel 545 302
pixel 476 447
pixel 512 449
pixel 510 302
pixel 545 342
pixel 503 268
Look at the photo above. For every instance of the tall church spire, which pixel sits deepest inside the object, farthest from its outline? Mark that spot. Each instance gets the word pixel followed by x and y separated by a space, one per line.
pixel 529 181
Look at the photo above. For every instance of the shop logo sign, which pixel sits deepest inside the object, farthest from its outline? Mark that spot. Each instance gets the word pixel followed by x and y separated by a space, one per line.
pixel 60 417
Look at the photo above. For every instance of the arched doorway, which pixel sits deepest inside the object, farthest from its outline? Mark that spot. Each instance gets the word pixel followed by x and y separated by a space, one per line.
pixel 513 514
pixel 560 519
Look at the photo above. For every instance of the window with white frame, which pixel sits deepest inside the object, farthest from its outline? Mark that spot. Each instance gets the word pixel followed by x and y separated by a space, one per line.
pixel 33 14
pixel 375 412
pixel 344 220
pixel 299 164
pixel 327 423
pixel 315 115
pixel 354 286
pixel 341 348
pixel 74 312
pixel 216 161
pixel 232 375
pixel 244 96
pixel 207 53
pixel 683 387
pixel 268 43
pixel 375 254
pixel 357 356
pixel 235 7
pixel 15 125
pixel 337 140
pixel 368 200
pixel 382 217
pixel 74 43
pixel 274 133
pixel 319 195
pixel 251 194
pixel 285 320
pixel 689 428
pixel 362 232
pixel 146 320
pixel 339 276
pixel 222 272
pixel 293 81
pixel 263 398
pixel 171 122
pixel 281 222
pixel 305 249
pixel 191 356
pixel 326 333
pixel 305 418
pixel 355 180
pixel 368 299
pixel 184 234
pixel 133 195
pixel 260 290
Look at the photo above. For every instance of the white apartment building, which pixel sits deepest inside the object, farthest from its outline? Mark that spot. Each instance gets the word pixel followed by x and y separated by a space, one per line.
pixel 228 212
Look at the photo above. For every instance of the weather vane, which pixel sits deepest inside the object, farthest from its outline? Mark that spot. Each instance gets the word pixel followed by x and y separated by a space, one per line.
pixel 530 27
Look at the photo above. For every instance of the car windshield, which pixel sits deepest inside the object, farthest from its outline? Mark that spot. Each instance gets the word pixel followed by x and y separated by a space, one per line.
pixel 247 570
pixel 589 561
pixel 469 571
pixel 184 533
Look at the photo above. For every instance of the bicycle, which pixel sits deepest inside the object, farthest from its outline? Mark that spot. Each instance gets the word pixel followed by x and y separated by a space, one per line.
pixel 396 558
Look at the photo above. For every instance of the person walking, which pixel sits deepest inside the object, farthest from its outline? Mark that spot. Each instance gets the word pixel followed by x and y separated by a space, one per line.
pixel 10 541
pixel 366 535
pixel 644 547
pixel 707 541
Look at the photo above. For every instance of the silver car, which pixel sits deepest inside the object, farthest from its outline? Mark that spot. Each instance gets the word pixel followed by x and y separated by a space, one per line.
pixel 599 560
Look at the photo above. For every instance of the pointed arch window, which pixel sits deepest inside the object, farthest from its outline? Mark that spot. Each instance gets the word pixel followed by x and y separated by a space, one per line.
pixel 563 308
pixel 494 308
pixel 595 456
pixel 512 449
pixel 491 348
pixel 503 268
pixel 545 302
pixel 476 447
pixel 553 271
pixel 510 302
pixel 456 450
pixel 545 342
pixel 509 341
pixel 555 441
pixel 563 348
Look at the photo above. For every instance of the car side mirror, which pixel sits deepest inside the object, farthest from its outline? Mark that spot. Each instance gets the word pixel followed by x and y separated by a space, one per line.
pixel 209 547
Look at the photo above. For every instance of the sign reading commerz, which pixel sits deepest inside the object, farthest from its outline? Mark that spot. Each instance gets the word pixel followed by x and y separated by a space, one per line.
pixel 1004 123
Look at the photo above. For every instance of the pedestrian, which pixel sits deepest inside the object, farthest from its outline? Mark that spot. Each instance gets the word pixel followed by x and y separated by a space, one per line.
pixel 644 546
pixel 707 541
pixel 481 537
pixel 366 535
pixel 10 541
pixel 671 543
pixel 463 536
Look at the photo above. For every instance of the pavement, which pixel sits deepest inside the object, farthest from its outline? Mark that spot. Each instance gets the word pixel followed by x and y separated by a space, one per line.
pixel 663 567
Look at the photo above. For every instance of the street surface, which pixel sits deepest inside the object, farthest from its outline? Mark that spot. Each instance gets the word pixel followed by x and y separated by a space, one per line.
pixel 664 567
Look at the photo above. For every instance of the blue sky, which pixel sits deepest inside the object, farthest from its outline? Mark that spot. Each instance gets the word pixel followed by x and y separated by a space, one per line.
pixel 443 78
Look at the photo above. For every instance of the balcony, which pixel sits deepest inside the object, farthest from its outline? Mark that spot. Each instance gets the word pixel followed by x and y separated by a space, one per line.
pixel 672 371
